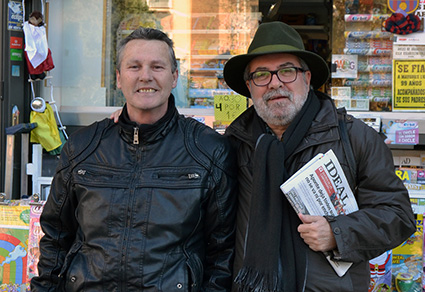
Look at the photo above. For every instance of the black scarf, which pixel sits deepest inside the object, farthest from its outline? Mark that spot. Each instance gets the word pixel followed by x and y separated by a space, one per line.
pixel 275 258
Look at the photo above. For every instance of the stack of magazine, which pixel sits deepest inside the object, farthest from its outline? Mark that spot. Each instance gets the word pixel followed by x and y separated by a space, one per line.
pixel 321 188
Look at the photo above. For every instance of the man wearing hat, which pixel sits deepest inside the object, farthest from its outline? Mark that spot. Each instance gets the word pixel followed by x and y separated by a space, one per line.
pixel 290 122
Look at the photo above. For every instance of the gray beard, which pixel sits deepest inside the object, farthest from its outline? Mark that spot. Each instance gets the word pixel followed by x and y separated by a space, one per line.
pixel 280 113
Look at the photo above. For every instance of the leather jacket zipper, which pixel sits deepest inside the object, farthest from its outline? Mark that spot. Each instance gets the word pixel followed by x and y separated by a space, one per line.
pixel 189 176
pixel 136 136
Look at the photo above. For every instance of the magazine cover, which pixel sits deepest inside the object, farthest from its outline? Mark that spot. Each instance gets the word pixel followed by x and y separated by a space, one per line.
pixel 418 205
pixel 407 175
pixel 423 263
pixel 407 262
pixel 14 228
pixel 421 176
pixel 35 234
pixel 380 272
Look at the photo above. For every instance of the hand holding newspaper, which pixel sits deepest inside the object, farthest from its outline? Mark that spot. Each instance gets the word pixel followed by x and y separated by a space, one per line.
pixel 321 188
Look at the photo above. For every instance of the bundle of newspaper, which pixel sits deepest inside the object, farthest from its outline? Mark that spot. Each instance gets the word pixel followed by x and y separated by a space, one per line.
pixel 321 188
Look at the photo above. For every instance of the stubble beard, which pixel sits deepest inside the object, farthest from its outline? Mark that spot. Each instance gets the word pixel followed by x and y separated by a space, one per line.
pixel 280 113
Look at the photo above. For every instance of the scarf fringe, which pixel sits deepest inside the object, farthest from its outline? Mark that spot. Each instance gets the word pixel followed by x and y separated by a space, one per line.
pixel 253 280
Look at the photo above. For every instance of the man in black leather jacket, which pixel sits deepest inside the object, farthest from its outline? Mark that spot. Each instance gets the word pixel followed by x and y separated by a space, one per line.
pixel 145 204
pixel 289 124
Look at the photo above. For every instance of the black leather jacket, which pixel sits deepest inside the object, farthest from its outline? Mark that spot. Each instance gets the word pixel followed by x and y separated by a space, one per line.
pixel 157 216
pixel 385 218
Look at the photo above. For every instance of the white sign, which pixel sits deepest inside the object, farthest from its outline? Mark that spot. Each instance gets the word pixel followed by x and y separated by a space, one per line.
pixel 346 66
pixel 408 52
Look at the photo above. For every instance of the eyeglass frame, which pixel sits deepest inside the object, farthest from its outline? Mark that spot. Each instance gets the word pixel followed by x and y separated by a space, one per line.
pixel 275 72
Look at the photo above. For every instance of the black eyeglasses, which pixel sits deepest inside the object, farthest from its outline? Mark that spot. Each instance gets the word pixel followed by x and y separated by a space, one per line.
pixel 285 75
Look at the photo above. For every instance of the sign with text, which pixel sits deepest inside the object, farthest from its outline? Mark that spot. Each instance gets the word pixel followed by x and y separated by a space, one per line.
pixel 409 85
pixel 401 132
pixel 416 52
pixel 16 55
pixel 16 43
pixel 15 15
pixel 346 66
pixel 228 107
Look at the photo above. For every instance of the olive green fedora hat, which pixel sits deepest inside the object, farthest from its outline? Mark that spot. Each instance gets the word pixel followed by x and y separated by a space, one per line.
pixel 270 38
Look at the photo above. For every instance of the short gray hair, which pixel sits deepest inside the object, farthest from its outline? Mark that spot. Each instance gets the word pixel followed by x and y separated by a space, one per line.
pixel 144 33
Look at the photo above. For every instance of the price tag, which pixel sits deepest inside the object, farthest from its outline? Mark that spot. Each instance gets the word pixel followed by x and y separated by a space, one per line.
pixel 228 107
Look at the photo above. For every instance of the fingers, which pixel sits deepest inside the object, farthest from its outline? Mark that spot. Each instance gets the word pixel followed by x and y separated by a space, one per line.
pixel 316 233
pixel 311 224
pixel 309 218
pixel 115 115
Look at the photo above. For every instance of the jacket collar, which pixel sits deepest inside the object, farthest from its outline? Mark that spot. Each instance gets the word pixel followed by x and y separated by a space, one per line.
pixel 147 133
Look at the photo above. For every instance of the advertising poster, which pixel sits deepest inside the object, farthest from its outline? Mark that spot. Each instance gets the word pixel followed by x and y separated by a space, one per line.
pixel 401 132
pixel 14 228
pixel 15 15
pixel 409 85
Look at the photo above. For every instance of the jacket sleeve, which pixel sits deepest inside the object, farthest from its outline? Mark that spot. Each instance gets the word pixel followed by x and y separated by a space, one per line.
pixel 385 217
pixel 59 227
pixel 219 226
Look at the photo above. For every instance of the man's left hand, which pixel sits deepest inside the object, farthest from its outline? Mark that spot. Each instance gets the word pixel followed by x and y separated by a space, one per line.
pixel 316 233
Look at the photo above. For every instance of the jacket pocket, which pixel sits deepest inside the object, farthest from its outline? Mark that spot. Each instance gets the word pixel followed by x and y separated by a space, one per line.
pixel 174 177
pixel 86 174
pixel 179 175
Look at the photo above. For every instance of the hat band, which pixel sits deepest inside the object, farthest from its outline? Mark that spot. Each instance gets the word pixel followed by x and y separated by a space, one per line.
pixel 274 48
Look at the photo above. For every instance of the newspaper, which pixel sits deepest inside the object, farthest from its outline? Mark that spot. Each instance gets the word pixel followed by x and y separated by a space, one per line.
pixel 321 188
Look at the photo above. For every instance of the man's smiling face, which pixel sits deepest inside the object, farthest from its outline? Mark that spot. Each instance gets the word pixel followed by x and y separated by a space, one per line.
pixel 146 79
pixel 278 103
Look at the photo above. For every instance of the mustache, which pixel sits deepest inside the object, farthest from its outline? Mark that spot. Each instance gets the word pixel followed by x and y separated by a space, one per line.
pixel 278 92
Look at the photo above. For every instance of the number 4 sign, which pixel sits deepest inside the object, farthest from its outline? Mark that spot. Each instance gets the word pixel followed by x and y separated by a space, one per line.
pixel 228 107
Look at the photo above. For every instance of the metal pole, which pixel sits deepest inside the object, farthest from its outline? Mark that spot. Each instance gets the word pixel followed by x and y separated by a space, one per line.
pixel 24 161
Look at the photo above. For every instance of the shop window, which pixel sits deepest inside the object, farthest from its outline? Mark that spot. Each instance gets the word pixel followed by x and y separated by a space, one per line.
pixel 359 41
pixel 83 37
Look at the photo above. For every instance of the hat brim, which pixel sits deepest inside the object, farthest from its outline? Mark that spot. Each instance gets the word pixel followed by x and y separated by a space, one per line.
pixel 235 67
